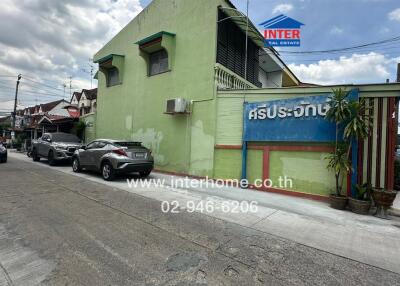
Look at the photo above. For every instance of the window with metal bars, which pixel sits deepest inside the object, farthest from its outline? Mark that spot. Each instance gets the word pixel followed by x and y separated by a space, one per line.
pixel 231 49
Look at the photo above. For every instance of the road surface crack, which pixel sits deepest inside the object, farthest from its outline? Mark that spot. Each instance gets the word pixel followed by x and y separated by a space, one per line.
pixel 6 275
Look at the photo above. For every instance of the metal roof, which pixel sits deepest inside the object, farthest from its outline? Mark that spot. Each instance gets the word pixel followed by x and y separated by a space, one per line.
pixel 242 21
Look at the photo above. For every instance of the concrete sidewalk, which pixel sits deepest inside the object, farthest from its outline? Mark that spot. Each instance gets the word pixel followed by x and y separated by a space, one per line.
pixel 396 206
pixel 362 238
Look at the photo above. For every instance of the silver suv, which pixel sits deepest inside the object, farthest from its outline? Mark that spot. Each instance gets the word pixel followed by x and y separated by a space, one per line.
pixel 55 147
pixel 112 157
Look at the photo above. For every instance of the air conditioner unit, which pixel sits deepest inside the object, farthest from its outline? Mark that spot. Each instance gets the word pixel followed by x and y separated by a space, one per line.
pixel 176 105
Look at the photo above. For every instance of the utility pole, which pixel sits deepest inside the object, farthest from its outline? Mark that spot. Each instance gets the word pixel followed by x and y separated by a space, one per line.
pixel 246 46
pixel 91 73
pixel 64 86
pixel 70 86
pixel 15 101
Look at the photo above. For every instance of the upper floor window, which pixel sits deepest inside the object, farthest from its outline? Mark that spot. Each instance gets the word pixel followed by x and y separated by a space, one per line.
pixel 231 50
pixel 158 62
pixel 112 77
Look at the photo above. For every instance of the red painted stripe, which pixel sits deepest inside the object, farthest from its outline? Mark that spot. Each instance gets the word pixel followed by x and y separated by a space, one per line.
pixel 324 148
pixel 360 161
pixel 239 147
pixel 391 142
pixel 388 140
pixel 379 143
pixel 155 41
pixel 369 159
pixel 348 185
pixel 303 148
pixel 293 194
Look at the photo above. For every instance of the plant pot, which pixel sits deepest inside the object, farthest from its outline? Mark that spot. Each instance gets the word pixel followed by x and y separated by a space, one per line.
pixel 384 200
pixel 337 202
pixel 359 206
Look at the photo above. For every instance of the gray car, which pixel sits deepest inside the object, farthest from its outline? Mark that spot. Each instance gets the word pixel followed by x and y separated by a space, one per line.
pixel 55 147
pixel 112 157
pixel 3 153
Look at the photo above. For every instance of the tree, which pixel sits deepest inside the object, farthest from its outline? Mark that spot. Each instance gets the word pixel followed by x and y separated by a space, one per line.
pixel 351 115
pixel 79 129
pixel 338 112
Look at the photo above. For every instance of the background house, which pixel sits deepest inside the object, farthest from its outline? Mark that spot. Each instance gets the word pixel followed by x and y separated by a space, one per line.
pixel 53 116
pixel 86 101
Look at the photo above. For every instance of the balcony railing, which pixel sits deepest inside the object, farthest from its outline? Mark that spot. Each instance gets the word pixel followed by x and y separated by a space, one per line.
pixel 226 79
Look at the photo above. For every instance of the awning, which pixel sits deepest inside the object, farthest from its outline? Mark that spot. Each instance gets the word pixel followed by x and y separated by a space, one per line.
pixel 153 37
pixel 112 61
pixel 107 58
pixel 240 20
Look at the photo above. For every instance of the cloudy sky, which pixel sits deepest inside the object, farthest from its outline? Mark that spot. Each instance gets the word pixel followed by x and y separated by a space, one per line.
pixel 47 41
pixel 332 24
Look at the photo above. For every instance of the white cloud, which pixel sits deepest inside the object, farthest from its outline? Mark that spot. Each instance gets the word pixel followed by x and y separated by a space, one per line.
pixel 282 8
pixel 51 40
pixel 358 68
pixel 335 30
pixel 395 15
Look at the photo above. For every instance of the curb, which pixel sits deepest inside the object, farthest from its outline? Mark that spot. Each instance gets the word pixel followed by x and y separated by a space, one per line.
pixel 394 212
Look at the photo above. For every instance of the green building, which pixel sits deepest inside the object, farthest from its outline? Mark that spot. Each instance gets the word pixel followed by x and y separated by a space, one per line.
pixel 175 78
pixel 170 51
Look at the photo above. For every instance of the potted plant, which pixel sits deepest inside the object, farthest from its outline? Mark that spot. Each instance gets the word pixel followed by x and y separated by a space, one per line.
pixel 383 200
pixel 351 116
pixel 361 203
pixel 339 162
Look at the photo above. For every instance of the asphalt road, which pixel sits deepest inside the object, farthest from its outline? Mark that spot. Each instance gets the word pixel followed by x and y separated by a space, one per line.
pixel 59 229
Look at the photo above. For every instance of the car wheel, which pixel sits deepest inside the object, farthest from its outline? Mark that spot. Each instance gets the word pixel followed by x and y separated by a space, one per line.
pixel 51 159
pixel 107 171
pixel 144 174
pixel 35 156
pixel 76 166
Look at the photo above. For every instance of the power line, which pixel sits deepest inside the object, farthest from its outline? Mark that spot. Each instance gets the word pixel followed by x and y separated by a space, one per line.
pixel 41 88
pixel 386 50
pixel 43 84
pixel 394 39
pixel 33 92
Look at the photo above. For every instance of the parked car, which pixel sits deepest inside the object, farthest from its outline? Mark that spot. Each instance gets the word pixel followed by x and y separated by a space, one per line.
pixel 112 157
pixel 3 153
pixel 55 147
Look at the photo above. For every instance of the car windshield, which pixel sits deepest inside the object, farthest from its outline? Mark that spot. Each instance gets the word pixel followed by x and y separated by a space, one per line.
pixel 128 144
pixel 64 137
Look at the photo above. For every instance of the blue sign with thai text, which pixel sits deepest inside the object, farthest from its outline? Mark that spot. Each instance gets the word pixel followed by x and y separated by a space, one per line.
pixel 299 119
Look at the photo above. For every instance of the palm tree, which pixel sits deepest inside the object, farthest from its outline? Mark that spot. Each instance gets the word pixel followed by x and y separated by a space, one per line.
pixel 359 122
pixel 338 112
pixel 353 116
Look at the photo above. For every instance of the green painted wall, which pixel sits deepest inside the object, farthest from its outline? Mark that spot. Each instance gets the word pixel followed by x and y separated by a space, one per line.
pixel 228 164
pixel 90 129
pixel 135 109
pixel 307 170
